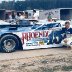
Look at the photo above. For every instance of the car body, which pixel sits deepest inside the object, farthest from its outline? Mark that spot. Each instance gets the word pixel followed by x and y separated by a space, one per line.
pixel 30 36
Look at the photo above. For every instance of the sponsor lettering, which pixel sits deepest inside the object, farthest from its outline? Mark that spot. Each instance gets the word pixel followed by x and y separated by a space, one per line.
pixel 29 35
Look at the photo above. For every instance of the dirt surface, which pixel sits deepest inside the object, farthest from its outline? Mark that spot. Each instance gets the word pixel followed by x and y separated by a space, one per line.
pixel 42 60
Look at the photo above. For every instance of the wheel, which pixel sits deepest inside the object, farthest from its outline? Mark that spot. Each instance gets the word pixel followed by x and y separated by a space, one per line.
pixel 9 43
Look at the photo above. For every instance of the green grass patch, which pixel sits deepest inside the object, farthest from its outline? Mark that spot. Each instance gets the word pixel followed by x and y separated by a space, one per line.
pixel 42 69
pixel 67 68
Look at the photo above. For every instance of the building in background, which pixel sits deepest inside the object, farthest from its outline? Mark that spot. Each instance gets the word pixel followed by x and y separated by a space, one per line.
pixel 59 13
pixel 60 9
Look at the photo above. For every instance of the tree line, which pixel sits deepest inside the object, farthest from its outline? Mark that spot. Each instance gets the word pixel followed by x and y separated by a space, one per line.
pixel 35 4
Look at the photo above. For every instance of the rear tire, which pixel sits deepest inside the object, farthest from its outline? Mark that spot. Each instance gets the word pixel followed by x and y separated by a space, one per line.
pixel 9 43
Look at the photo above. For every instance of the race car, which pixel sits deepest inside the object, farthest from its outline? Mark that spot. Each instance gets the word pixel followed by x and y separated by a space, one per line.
pixel 29 36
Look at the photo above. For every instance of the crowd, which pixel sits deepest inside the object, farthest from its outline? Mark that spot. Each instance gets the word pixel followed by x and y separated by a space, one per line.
pixel 20 15
pixel 15 15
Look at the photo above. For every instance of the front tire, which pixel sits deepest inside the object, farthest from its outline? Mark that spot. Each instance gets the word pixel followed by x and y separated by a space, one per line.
pixel 9 43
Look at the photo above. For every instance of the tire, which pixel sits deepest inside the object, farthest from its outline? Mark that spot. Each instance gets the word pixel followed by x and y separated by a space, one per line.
pixel 9 43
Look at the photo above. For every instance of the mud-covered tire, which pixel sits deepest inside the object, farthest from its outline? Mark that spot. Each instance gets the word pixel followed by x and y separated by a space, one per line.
pixel 9 43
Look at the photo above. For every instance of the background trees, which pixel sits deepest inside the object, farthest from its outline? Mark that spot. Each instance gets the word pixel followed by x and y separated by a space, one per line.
pixel 35 4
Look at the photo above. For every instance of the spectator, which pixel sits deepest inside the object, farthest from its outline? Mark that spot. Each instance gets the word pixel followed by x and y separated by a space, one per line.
pixel 49 17
pixel 6 16
pixel 26 15
pixel 21 16
pixel 16 16
pixel 35 15
pixel 10 16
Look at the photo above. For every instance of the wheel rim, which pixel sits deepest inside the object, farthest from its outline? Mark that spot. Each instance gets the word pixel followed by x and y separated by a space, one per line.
pixel 9 44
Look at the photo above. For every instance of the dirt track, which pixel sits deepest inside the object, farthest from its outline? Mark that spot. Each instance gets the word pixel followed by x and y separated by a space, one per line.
pixel 33 53
pixel 42 60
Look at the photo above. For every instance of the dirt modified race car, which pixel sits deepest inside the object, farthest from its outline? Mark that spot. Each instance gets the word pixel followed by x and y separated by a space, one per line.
pixel 26 36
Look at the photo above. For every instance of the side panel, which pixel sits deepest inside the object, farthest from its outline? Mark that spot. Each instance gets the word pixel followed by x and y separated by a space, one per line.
pixel 40 39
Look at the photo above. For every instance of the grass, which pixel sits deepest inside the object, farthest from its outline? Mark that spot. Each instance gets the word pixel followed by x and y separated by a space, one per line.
pixel 67 68
pixel 42 69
